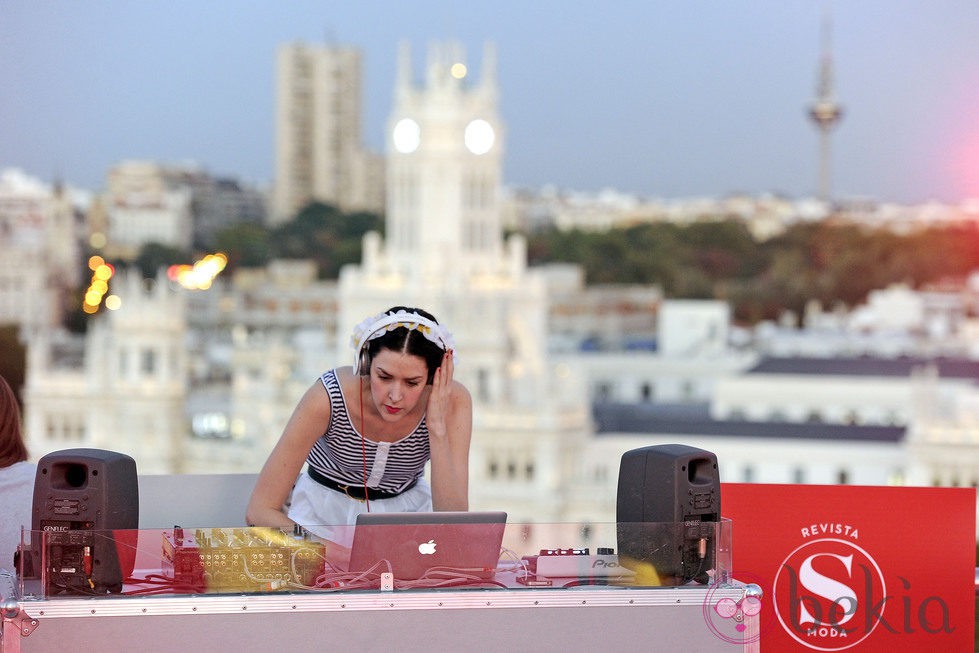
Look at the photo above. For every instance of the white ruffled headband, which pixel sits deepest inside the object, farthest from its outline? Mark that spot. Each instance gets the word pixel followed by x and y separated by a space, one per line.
pixel 378 325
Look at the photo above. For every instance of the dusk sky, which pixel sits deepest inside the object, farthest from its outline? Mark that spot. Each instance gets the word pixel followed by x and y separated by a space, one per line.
pixel 663 99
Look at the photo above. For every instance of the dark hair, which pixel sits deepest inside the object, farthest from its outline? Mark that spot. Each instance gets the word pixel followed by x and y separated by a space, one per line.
pixel 12 447
pixel 408 341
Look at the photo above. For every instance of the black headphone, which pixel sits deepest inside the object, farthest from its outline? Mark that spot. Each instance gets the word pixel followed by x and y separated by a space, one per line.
pixel 363 365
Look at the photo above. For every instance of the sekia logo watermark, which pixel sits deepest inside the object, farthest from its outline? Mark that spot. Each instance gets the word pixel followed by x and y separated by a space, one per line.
pixel 850 568
pixel 733 618
pixel 830 594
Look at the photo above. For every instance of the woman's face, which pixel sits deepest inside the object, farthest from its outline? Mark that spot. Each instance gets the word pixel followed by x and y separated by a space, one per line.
pixel 397 382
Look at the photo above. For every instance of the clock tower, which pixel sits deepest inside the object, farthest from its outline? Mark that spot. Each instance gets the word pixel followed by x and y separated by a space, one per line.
pixel 444 161
pixel 443 247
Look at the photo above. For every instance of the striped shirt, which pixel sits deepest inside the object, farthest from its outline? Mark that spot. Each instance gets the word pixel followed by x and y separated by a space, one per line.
pixel 339 456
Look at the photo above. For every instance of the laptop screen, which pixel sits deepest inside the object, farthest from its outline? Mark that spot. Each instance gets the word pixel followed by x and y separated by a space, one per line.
pixel 428 545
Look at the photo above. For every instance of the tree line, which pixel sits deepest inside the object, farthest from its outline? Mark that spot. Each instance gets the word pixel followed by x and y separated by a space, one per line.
pixel 320 232
pixel 829 261
pixel 834 262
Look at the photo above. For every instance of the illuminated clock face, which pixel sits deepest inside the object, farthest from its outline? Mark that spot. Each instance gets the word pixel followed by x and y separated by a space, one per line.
pixel 479 137
pixel 406 136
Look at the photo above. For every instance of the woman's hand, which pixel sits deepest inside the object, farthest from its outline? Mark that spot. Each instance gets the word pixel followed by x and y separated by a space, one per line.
pixel 439 401
pixel 449 420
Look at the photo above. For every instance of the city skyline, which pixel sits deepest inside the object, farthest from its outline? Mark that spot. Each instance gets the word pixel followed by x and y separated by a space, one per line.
pixel 662 101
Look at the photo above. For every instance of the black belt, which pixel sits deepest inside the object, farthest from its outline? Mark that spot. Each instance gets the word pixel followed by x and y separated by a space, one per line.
pixel 358 492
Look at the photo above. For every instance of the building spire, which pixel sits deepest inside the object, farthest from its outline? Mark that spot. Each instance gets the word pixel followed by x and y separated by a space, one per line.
pixel 825 111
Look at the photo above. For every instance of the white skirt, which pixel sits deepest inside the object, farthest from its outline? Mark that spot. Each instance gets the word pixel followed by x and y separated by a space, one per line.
pixel 330 514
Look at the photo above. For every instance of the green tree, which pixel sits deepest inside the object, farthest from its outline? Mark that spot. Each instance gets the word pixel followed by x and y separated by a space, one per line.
pixel 154 256
pixel 830 261
pixel 324 234
pixel 246 245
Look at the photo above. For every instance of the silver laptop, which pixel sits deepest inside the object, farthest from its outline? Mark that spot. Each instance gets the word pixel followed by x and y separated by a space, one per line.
pixel 429 544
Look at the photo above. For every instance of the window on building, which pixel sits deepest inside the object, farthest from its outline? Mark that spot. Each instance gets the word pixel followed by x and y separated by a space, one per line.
pixel 748 474
pixel 148 361
pixel 603 391
pixel 896 477
pixel 646 392
pixel 843 477
pixel 687 389
pixel 483 385
pixel 601 473
pixel 798 475
pixel 211 425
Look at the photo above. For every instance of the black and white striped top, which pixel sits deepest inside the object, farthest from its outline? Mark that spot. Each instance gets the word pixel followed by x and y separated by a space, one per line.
pixel 337 454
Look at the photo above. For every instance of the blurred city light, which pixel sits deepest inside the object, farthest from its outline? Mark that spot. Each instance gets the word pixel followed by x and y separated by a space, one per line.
pixel 201 274
pixel 97 240
pixel 98 286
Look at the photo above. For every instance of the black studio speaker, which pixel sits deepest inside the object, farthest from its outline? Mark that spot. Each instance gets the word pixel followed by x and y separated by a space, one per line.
pixel 85 520
pixel 667 508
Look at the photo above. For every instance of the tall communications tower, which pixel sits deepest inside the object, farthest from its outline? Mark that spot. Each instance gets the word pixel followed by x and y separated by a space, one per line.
pixel 825 111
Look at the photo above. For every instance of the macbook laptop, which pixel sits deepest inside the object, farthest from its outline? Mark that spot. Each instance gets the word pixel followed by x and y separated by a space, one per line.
pixel 415 543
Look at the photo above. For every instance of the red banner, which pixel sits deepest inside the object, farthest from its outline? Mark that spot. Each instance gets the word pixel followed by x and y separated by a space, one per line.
pixel 857 568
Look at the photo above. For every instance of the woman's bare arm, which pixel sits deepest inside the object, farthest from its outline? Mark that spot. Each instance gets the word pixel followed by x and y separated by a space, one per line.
pixel 308 422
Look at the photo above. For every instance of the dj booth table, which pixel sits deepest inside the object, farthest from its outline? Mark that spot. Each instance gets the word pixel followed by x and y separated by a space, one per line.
pixel 501 616
pixel 580 618
pixel 504 612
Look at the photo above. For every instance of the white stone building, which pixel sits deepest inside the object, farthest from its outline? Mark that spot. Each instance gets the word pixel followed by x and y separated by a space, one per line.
pixel 124 389
pixel 444 251
pixel 141 205
pixel 39 240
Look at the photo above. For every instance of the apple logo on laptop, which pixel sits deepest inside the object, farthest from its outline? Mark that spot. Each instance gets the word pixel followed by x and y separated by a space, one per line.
pixel 427 548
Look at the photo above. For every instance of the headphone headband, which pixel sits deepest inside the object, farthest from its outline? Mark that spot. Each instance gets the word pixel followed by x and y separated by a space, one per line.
pixel 378 325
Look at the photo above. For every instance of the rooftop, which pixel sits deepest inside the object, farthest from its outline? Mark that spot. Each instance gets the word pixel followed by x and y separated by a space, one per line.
pixel 867 366
pixel 693 419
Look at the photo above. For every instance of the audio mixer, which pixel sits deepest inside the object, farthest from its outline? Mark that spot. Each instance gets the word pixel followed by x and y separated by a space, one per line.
pixel 241 559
